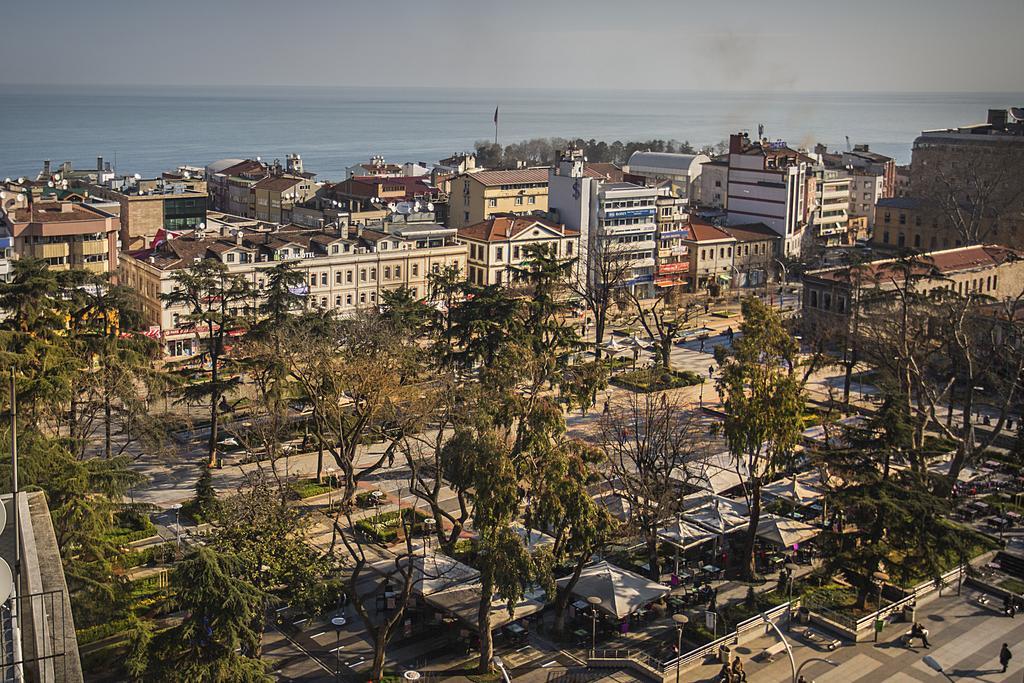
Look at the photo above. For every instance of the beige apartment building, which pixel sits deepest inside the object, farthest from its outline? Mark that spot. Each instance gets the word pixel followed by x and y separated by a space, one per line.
pixel 345 269
pixel 498 244
pixel 475 197
pixel 710 251
pixel 66 235
pixel 830 294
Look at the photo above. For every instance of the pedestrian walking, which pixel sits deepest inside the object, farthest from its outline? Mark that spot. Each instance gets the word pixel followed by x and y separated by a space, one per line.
pixel 606 406
pixel 1005 656
pixel 702 344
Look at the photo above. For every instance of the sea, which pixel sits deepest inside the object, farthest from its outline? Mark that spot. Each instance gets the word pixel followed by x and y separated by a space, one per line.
pixel 149 129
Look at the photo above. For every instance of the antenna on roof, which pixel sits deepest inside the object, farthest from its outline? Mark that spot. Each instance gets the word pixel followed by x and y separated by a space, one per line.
pixel 848 148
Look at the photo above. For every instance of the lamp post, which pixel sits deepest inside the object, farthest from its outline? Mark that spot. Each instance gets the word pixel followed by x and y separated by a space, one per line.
pixel 500 665
pixel 177 525
pixel 428 525
pixel 680 620
pixel 789 651
pixel 881 577
pixel 933 664
pixel 812 659
pixel 593 601
pixel 338 623
pixel 790 567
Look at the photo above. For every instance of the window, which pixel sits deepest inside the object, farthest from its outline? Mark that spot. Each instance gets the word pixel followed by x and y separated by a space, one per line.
pixel 885 237
pixel 415 269
pixel 231 258
pixel 499 253
pixel 903 219
pixel 827 302
pixel 917 240
pixel 532 200
pixel 492 203
pixel 465 216
pixel 568 248
pixel 373 274
pixel 515 253
pixel 362 297
pixel 337 277
pixel 387 272
pixel 176 320
pixel 995 281
pixel 814 298
pixel 902 240
pixel 497 277
pixel 362 274
pixel 348 276
pixel 348 299
pixel 337 301
pixel 413 291
pixel 398 271
pixel 519 201
pixel 373 297
pixel 312 279
pixel 323 278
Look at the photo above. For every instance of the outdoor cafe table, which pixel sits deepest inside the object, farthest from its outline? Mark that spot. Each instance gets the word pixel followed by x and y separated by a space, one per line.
pixel 710 569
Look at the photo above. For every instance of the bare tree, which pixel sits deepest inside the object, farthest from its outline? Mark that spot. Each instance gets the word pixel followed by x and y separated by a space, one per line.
pixel 662 322
pixel 601 273
pixel 653 447
pixel 983 194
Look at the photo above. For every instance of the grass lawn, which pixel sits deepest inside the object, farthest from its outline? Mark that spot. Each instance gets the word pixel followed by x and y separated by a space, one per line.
pixel 1012 585
pixel 307 488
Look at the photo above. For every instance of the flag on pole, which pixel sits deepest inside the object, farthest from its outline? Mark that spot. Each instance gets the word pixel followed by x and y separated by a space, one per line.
pixel 495 116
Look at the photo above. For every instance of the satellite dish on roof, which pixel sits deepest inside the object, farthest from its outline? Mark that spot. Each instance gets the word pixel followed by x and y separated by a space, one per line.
pixel 49 184
pixel 404 208
pixel 3 517
pixel 416 207
pixel 392 206
pixel 21 181
pixel 259 159
pixel 137 176
pixel 56 176
pixel 430 206
pixel 7 179
pixel 6 580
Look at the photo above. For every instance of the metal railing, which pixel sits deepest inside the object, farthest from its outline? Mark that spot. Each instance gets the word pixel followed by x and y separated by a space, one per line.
pixel 638 656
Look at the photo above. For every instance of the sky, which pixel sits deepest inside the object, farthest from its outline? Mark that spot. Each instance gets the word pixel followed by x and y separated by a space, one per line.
pixel 761 45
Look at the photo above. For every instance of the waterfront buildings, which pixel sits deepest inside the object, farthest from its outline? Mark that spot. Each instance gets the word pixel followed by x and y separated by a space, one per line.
pixel 64 234
pixel 149 206
pixel 711 257
pixel 614 220
pixel 714 183
pixel 768 183
pixel 831 294
pixel 829 216
pixel 755 254
pixel 681 172
pixel 346 268
pixel 672 258
pixel 475 197
pixel 251 188
pixel 497 246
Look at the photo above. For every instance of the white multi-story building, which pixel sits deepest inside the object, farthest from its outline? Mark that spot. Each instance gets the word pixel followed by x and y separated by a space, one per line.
pixel 680 171
pixel 831 207
pixel 768 183
pixel 614 220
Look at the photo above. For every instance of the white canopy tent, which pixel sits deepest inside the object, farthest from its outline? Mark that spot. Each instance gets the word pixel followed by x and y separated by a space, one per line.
pixel 620 591
pixel 684 535
pixel 719 515
pixel 532 537
pixel 715 474
pixel 785 532
pixel 463 603
pixel 432 572
pixel 800 489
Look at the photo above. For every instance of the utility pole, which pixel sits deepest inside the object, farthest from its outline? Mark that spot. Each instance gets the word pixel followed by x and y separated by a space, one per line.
pixel 14 477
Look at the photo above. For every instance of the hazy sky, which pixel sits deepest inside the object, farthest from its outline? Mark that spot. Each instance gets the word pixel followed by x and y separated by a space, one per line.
pixel 925 45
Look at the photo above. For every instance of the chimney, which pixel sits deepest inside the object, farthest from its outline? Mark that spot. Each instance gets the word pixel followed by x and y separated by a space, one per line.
pixel 238 237
pixel 67 207
pixel 46 168
pixel 359 229
pixel 99 164
pixel 736 143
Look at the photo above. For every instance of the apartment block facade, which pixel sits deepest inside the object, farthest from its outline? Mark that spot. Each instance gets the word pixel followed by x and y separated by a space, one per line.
pixel 345 270
pixel 497 245
pixel 66 235
pixel 477 196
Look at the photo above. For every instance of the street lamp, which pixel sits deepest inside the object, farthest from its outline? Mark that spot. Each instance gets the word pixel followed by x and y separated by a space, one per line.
pixel 881 577
pixel 338 623
pixel 789 651
pixel 428 526
pixel 593 601
pixel 177 525
pixel 500 665
pixel 812 659
pixel 790 567
pixel 934 665
pixel 680 620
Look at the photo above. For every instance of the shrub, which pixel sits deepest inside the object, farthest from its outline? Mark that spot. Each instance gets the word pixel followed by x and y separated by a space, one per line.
pixel 656 379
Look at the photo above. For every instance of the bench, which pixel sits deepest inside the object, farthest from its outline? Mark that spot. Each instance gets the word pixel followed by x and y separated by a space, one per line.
pixel 818 638
pixel 772 651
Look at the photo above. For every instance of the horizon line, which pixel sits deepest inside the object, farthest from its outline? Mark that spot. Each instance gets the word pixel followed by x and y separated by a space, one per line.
pixel 510 89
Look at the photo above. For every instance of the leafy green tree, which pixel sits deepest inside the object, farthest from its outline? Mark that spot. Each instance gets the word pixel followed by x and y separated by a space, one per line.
pixel 217 641
pixel 213 302
pixel 764 405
